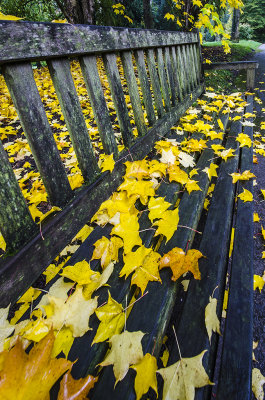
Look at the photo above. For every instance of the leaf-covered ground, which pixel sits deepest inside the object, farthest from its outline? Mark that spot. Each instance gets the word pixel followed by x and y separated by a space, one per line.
pixel 70 303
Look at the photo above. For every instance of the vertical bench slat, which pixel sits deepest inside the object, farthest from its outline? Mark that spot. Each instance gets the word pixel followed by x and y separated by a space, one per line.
pixel 196 66
pixel 145 86
pixel 163 79
pixel 118 97
pixel 98 102
pixel 186 69
pixel 155 83
pixel 176 73
pixel 181 71
pixel 126 57
pixel 64 85
pixel 25 95
pixel 170 76
pixel 16 223
pixel 191 65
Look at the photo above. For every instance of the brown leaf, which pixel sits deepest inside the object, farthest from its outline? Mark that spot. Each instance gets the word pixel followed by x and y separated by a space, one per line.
pixel 75 389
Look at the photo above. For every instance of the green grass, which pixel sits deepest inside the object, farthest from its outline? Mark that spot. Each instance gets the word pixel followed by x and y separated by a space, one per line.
pixel 246 44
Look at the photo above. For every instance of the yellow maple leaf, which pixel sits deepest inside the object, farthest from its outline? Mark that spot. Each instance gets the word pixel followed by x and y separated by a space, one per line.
pixel 245 176
pixel 258 282
pixel 2 242
pixel 142 189
pixel 225 154
pixel 63 342
pixel 107 250
pixel 192 185
pixel 74 313
pixel 244 140
pixel 4 17
pixel 212 322
pixel 128 230
pixel 256 217
pixel 106 162
pixel 180 263
pixel 157 206
pixel 211 171
pixel 83 233
pixel 168 224
pixel 258 381
pixel 177 174
pixel 137 169
pixel 183 377
pixel 145 375
pixel 126 349
pixel 144 264
pixel 5 327
pixel 79 272
pixel 112 320
pixel 30 376
pixel 97 281
pixel 246 195
pixel 221 125
pixel 34 330
pixel 263 192
pixel 76 181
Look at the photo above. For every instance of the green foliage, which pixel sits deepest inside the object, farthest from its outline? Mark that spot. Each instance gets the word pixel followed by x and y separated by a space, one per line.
pixel 254 15
pixel 32 10
pixel 245 31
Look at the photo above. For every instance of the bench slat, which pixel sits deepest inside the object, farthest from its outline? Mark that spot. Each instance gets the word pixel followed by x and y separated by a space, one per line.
pixel 181 71
pixel 126 57
pixel 238 336
pixel 162 77
pixel 64 85
pixel 155 83
pixel 110 62
pixel 145 86
pixel 25 95
pixel 170 77
pixel 196 64
pixel 192 62
pixel 38 254
pixel 16 223
pixel 187 69
pixel 177 73
pixel 98 102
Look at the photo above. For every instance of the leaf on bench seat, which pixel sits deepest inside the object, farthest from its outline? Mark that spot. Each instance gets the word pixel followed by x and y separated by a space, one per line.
pixel 168 224
pixel 71 389
pixel 145 375
pixel 30 376
pixel 179 262
pixel 211 320
pixel 144 264
pixel 258 381
pixel 246 195
pixel 245 176
pixel 107 250
pixel 126 349
pixel 128 230
pixel 181 378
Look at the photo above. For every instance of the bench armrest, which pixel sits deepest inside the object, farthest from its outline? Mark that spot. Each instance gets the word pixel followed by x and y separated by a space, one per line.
pixel 250 66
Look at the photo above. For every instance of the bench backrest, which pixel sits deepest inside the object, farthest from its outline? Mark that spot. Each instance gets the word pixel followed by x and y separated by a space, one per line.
pixel 169 68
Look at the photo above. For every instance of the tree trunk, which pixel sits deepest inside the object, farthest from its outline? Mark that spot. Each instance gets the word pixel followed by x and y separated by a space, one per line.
pixel 77 11
pixel 148 18
pixel 235 25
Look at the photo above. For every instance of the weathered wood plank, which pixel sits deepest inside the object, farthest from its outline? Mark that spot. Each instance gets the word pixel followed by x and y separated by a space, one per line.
pixel 98 102
pixel 64 85
pixel 162 77
pixel 25 95
pixel 38 254
pixel 251 78
pixel 235 381
pixel 126 57
pixel 176 73
pixel 170 76
pixel 196 64
pixel 157 305
pixel 181 71
pixel 20 41
pixel 145 86
pixel 114 80
pixel 16 223
pixel 155 83
pixel 191 63
pixel 187 73
pixel 233 65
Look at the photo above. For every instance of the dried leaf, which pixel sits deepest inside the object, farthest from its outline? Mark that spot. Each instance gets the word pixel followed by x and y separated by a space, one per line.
pixel 72 389
pixel 179 262
pixel 258 381
pixel 211 320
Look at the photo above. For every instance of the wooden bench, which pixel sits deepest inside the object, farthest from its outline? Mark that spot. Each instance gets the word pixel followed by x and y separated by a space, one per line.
pixel 170 63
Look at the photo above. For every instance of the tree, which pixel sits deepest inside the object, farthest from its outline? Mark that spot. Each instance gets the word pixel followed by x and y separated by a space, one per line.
pixel 77 11
pixel 254 15
pixel 235 25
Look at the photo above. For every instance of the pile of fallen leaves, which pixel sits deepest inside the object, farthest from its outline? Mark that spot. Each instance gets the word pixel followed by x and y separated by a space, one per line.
pixel 28 362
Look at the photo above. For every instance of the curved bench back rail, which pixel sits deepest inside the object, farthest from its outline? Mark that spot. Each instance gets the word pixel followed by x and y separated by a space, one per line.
pixel 165 66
